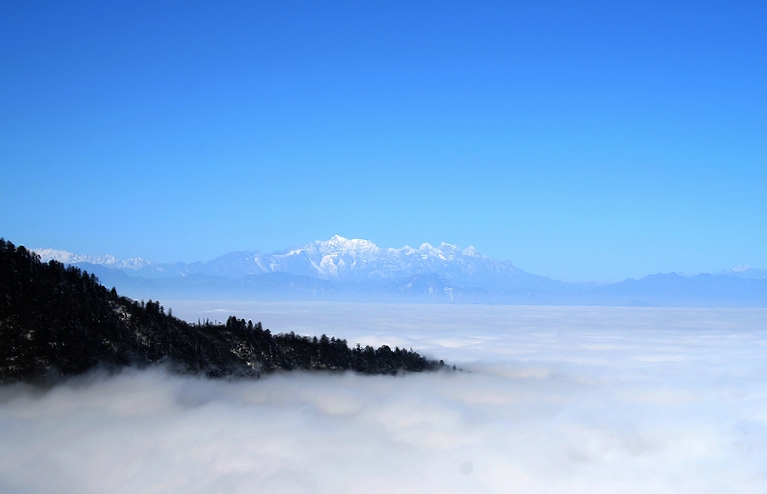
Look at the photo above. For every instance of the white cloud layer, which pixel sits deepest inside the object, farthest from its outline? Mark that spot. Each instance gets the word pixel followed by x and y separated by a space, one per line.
pixel 573 400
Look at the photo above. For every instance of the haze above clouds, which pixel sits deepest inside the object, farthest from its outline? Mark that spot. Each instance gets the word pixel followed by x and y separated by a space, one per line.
pixel 550 400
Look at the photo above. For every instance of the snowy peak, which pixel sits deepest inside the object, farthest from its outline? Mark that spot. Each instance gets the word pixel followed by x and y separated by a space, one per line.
pixel 362 248
pixel 747 272
pixel 108 260
pixel 357 260
pixel 340 245
pixel 337 258
pixel 340 258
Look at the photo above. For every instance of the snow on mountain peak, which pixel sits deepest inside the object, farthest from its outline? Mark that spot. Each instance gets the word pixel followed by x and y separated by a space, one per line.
pixel 356 259
pixel 744 271
pixel 337 243
pixel 111 261
pixel 337 258
pixel 362 248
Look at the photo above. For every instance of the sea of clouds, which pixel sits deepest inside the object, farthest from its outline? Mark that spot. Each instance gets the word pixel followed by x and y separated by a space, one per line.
pixel 550 399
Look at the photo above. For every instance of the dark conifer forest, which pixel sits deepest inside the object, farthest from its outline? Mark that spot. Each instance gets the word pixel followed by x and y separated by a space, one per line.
pixel 57 320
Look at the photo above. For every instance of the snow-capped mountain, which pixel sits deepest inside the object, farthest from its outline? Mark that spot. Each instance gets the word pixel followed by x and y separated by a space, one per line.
pixel 342 259
pixel 65 257
pixel 747 272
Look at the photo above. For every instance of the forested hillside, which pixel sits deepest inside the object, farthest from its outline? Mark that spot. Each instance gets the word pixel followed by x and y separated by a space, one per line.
pixel 60 320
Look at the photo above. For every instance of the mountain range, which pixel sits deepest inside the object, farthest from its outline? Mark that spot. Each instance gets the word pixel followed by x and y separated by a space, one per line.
pixel 358 270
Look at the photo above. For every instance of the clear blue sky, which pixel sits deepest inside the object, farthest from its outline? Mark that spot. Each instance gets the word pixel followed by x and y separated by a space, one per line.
pixel 584 141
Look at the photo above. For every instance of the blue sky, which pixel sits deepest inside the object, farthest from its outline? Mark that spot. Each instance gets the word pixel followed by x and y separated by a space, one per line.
pixel 584 141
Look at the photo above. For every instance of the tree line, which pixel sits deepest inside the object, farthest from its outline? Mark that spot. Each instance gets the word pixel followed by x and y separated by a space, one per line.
pixel 59 320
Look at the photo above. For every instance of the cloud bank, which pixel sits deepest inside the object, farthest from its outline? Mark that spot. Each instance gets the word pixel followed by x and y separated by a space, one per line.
pixel 550 400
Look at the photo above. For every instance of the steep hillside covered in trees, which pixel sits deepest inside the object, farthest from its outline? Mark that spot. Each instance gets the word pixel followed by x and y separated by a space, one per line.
pixel 60 320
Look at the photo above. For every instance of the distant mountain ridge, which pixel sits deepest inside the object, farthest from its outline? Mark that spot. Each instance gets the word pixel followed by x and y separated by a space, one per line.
pixel 357 269
pixel 65 257
pixel 338 259
pixel 745 272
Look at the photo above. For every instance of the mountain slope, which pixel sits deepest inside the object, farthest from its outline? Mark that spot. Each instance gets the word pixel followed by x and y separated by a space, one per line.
pixel 60 319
